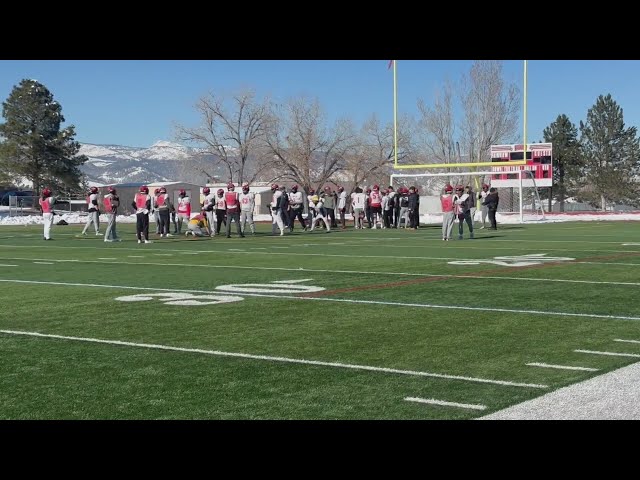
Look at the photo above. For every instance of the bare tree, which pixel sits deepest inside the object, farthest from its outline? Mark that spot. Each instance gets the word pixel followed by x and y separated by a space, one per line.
pixel 490 109
pixel 439 125
pixel 304 150
pixel 372 156
pixel 233 134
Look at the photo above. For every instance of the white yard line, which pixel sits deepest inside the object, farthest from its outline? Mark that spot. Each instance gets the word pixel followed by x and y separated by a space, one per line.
pixel 451 247
pixel 562 367
pixel 433 401
pixel 355 272
pixel 7 265
pixel 44 263
pixel 625 341
pixel 280 359
pixel 613 354
pixel 105 258
pixel 340 300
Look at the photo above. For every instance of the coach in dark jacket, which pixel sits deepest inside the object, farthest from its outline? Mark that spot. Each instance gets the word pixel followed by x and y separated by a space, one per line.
pixel 491 202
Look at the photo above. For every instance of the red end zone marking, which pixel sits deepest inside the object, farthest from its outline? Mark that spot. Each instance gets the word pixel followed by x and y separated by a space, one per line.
pixel 416 281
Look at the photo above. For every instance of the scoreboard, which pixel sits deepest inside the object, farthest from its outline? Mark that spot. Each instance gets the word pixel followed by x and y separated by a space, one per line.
pixel 539 162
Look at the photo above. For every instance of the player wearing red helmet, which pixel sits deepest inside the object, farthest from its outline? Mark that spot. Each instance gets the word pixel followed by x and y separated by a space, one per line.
pixel 448 217
pixel 209 207
pixel 462 211
pixel 276 210
pixel 247 206
pixel 296 203
pixel 221 210
pixel 375 201
pixel 163 205
pixel 111 202
pixel 183 210
pixel 232 201
pixel 93 210
pixel 46 202
pixel 142 205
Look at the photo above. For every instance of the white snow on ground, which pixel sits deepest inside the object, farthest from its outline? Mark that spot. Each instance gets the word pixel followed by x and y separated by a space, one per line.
pixel 504 219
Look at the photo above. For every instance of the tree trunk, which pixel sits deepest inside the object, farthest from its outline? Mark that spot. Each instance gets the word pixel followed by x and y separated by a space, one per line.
pixel 603 202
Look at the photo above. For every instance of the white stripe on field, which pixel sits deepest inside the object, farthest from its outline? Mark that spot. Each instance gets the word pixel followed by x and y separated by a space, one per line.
pixel 343 255
pixel 625 341
pixel 433 401
pixel 280 359
pixel 613 263
pixel 136 256
pixel 613 354
pixel 341 300
pixel 562 367
pixel 104 258
pixel 357 272
pixel 44 263
pixel 7 265
pixel 163 254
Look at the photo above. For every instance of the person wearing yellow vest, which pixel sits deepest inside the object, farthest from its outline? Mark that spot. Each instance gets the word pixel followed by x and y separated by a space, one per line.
pixel 111 202
pixel 46 205
pixel 197 226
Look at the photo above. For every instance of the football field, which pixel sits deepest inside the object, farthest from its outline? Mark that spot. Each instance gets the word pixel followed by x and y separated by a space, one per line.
pixel 353 324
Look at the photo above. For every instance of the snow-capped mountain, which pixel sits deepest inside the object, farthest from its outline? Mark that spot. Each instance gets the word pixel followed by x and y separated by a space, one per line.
pixel 162 161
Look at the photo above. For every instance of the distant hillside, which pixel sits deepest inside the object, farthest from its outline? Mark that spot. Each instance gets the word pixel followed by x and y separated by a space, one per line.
pixel 163 161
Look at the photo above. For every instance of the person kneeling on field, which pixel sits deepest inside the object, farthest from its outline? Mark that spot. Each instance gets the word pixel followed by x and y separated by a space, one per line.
pixel 197 226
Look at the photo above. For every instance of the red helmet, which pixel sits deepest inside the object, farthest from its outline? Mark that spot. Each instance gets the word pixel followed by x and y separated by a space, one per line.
pixel 459 188
pixel 144 189
pixel 294 189
pixel 231 186
pixel 220 192
pixel 311 191
pixel 376 187
pixel 485 186
pixel 93 189
pixel 206 190
pixel 245 187
pixel 448 188
pixel 112 190
pixel 182 192
pixel 340 189
pixel 46 193
pixel 274 186
pixel 327 188
pixel 368 190
pixel 163 190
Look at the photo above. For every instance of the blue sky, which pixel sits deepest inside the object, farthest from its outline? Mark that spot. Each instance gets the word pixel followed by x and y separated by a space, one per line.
pixel 137 102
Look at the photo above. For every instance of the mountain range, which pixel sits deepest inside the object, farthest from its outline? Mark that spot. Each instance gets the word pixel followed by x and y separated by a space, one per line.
pixel 163 161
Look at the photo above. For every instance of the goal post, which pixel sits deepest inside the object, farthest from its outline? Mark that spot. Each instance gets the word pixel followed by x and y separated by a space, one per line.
pixel 521 201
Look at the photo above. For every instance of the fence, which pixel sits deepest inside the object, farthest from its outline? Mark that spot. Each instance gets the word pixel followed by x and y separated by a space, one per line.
pixel 23 205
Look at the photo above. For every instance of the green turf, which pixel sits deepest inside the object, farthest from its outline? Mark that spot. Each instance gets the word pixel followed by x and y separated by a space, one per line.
pixel 409 318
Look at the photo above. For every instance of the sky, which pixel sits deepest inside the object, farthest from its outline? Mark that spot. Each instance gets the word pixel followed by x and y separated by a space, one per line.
pixel 138 102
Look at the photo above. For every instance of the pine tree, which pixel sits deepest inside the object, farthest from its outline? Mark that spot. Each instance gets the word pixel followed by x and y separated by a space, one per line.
pixel 611 155
pixel 566 156
pixel 34 146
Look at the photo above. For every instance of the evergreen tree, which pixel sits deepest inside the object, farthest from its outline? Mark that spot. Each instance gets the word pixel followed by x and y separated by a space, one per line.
pixel 611 155
pixel 566 156
pixel 34 146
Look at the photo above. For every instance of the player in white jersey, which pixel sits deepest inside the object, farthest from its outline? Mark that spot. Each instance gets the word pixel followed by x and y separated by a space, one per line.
pixel 209 207
pixel 94 211
pixel 184 209
pixel 276 212
pixel 358 204
pixel 296 203
pixel 247 206
pixel 342 206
